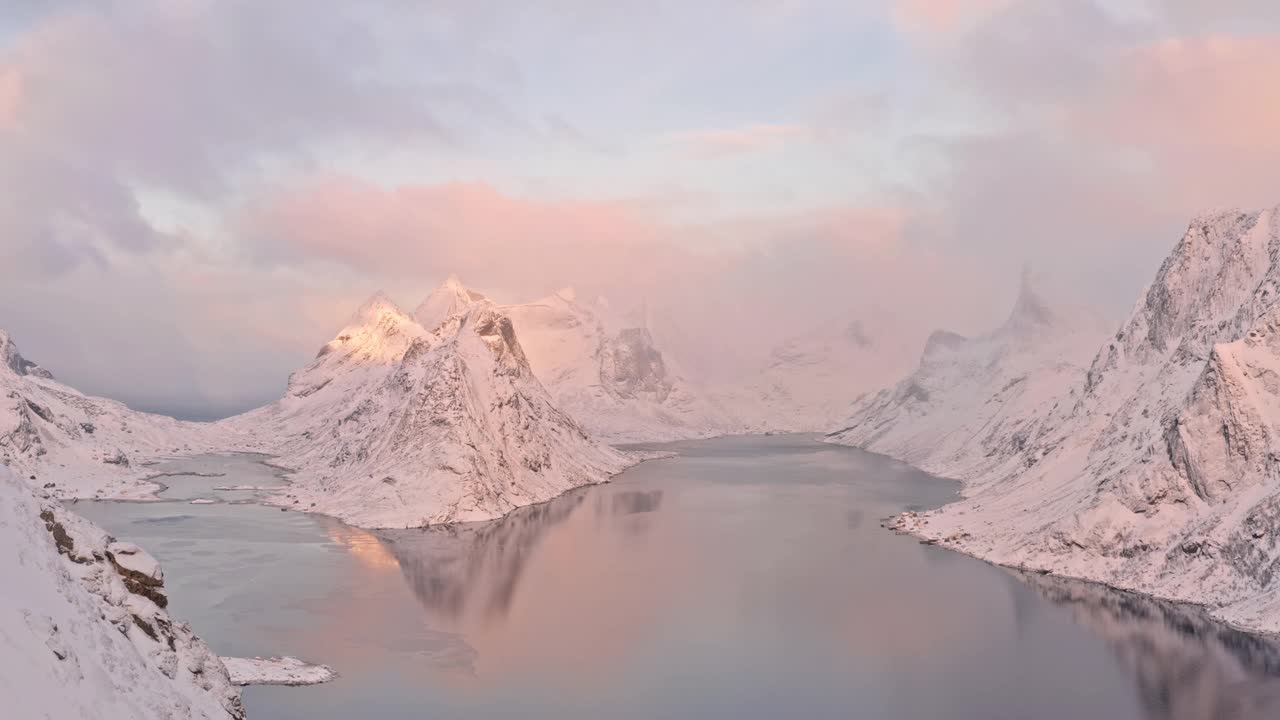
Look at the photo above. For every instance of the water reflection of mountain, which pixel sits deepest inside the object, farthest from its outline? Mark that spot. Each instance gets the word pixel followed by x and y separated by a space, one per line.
pixel 1186 666
pixel 471 571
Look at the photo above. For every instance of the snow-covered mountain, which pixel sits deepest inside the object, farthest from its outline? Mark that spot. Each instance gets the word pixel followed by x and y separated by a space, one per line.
pixel 78 445
pixel 616 382
pixel 972 402
pixel 1161 473
pixel 83 630
pixel 393 425
pixel 444 302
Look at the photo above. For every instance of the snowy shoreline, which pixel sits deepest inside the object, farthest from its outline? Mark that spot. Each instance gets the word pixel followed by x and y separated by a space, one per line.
pixel 1204 608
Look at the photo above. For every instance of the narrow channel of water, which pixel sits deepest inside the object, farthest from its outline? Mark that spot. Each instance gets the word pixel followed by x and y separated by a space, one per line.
pixel 746 578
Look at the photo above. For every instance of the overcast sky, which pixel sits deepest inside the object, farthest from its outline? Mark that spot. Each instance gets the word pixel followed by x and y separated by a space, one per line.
pixel 198 193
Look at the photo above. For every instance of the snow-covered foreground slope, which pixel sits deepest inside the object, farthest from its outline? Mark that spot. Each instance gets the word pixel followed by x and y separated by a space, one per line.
pixel 617 383
pixel 1161 472
pixel 396 426
pixel 972 402
pixel 83 630
pixel 82 446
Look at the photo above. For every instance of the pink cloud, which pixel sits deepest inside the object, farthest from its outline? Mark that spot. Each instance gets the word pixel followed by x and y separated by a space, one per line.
pixel 738 284
pixel 476 231
pixel 11 90
pixel 1201 112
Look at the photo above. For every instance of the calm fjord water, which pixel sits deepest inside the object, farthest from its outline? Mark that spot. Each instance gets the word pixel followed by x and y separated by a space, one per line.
pixel 746 578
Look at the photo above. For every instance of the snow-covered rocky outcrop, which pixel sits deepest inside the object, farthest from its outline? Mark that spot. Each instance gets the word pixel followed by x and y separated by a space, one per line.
pixel 973 402
pixel 1160 472
pixel 83 629
pixel 616 382
pixel 394 425
pixel 77 445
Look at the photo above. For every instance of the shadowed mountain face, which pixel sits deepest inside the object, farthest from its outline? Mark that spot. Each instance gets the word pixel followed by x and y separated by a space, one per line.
pixel 1185 666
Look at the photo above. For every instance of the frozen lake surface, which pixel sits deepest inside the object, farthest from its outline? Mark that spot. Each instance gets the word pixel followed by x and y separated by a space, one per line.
pixel 746 578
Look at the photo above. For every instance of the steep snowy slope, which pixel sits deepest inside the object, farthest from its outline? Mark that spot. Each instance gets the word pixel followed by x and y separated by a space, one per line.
pixel 394 426
pixel 83 446
pixel 1162 474
pixel 617 383
pixel 973 400
pixel 83 630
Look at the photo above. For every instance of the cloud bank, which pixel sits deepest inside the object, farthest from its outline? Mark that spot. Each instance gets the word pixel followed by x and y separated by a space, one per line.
pixel 198 192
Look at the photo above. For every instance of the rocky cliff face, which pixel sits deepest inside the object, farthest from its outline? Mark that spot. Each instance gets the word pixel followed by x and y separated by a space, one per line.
pixel 83 628
pixel 394 426
pixel 1159 473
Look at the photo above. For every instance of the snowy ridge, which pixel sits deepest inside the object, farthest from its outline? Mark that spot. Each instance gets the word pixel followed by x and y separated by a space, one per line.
pixel 616 382
pixel 1159 472
pixel 973 402
pixel 394 426
pixel 81 446
pixel 83 631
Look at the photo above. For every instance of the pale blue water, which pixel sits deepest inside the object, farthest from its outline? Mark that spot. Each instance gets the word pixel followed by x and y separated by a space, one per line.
pixel 747 578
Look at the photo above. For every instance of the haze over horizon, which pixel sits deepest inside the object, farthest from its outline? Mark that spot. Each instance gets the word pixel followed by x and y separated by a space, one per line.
pixel 191 219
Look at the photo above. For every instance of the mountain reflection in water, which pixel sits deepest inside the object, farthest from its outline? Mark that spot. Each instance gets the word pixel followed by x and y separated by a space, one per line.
pixel 746 578
pixel 472 570
pixel 1185 665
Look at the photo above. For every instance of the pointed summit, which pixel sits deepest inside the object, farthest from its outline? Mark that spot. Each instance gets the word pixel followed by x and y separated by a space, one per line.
pixel 379 331
pixel 451 298
pixel 1030 311
pixel 377 305
pixel 13 360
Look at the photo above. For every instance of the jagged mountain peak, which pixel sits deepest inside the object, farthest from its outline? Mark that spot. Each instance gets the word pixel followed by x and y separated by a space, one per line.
pixel 494 328
pixel 1223 274
pixel 12 359
pixel 379 331
pixel 451 298
pixel 378 305
pixel 1032 311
